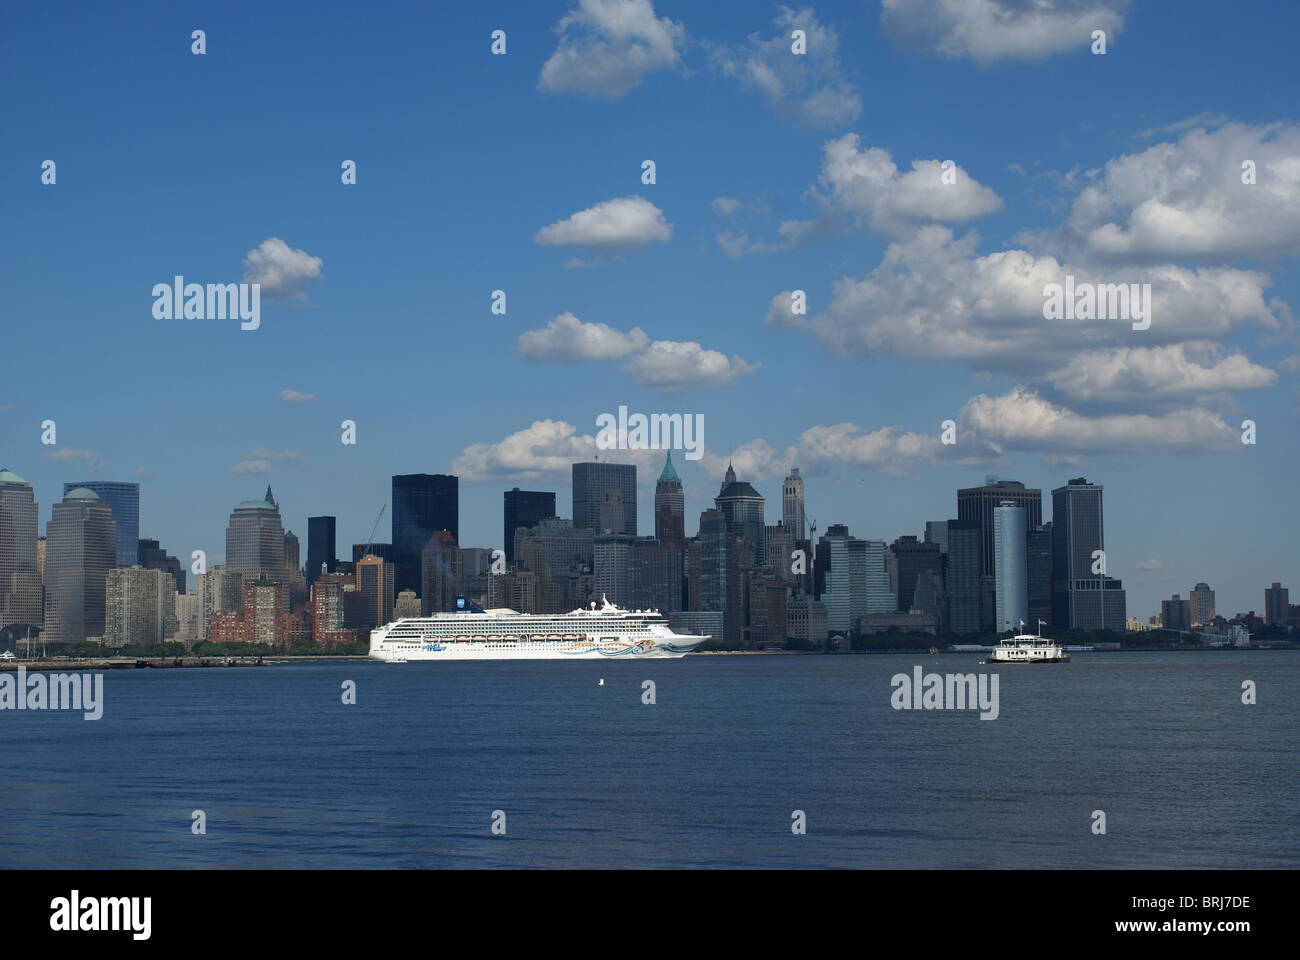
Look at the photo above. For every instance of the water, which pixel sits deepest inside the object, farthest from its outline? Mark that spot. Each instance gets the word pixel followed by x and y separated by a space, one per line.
pixel 589 776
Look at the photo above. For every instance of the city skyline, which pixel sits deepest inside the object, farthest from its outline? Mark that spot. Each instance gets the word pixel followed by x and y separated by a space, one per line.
pixel 275 542
pixel 378 296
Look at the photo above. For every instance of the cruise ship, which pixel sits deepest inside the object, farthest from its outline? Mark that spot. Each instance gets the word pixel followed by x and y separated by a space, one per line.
pixel 472 633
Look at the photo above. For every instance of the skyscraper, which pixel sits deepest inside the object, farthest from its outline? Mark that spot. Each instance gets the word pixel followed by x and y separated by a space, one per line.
pixel 81 548
pixel 375 579
pixel 154 557
pixel 590 481
pixel 914 559
pixel 978 503
pixel 963 585
pixel 1082 599
pixel 1276 601
pixel 670 506
pixel 742 510
pixel 255 539
pixel 123 500
pixel 440 574
pixel 524 508
pixel 845 593
pixel 322 550
pixel 423 504
pixel 139 606
pixel 1010 566
pixel 20 582
pixel 1202 601
pixel 1038 560
pixel 792 514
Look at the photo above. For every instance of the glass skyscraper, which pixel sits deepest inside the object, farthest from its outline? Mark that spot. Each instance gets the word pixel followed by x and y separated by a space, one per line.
pixel 123 499
pixel 423 504
pixel 1082 598
pixel 527 509
pixel 321 547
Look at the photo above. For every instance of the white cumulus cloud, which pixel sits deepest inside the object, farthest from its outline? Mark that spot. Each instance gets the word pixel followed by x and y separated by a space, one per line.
pixel 607 47
pixel 614 226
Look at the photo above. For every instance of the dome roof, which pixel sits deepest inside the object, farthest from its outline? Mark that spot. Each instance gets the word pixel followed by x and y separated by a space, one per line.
pixel 8 476
pixel 669 474
pixel 81 493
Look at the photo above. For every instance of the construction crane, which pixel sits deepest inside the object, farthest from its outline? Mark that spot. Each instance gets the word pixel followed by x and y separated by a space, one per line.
pixel 370 541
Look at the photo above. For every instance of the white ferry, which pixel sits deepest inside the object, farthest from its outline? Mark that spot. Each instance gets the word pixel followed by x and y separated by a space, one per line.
pixel 472 633
pixel 1028 648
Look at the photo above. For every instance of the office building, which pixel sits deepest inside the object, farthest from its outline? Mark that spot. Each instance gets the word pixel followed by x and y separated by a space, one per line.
pixel 255 539
pixel 375 580
pixel 1082 599
pixel 1176 614
pixel 1276 601
pixel 741 507
pixel 322 551
pixel 590 482
pixel 423 504
pixel 913 559
pixel 1010 567
pixel 670 507
pixel 963 576
pixel 1202 602
pixel 154 557
pixel 1038 569
pixel 792 508
pixel 81 549
pixel 20 575
pixel 524 509
pixel 979 504
pixel 123 501
pixel 440 574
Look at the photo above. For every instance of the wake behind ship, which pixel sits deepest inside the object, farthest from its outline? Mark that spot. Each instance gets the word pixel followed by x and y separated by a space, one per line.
pixel 472 633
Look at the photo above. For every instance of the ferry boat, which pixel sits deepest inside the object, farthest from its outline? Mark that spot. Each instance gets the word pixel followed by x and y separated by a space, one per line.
pixel 472 633
pixel 1028 648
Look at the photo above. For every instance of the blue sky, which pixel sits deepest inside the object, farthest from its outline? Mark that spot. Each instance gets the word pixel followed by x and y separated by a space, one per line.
pixel 774 172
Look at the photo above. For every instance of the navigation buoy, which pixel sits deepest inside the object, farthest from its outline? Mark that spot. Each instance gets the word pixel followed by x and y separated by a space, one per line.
pixel 600 682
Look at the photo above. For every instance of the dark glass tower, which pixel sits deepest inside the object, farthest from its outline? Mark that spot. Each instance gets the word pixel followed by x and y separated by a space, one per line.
pixel 123 500
pixel 524 508
pixel 1081 598
pixel 978 503
pixel 321 547
pixel 423 504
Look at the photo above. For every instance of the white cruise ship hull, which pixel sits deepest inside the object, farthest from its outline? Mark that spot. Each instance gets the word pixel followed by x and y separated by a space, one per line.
pixel 605 633
pixel 402 652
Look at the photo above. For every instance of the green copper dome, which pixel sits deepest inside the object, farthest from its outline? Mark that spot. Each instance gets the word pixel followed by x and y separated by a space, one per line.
pixel 8 476
pixel 669 473
pixel 81 493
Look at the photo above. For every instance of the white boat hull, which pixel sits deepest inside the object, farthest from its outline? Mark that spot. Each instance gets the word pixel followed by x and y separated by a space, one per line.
pixel 644 649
